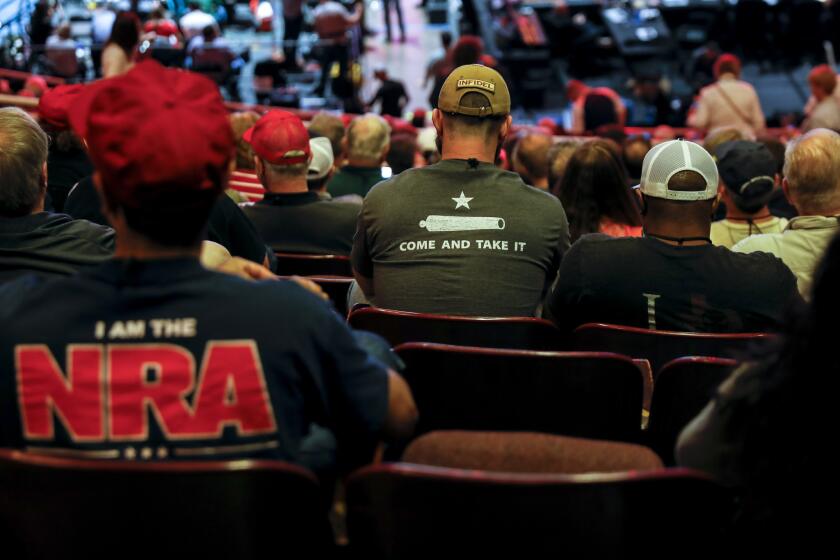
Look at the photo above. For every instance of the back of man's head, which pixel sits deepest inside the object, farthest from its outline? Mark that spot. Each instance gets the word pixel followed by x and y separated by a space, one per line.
pixel 240 122
pixel 367 140
pixel 558 159
pixel 748 173
pixel 23 153
pixel 530 157
pixel 812 173
pixel 634 152
pixel 823 79
pixel 474 101
pixel 282 149
pixel 329 126
pixel 157 179
pixel 679 184
pixel 727 63
pixel 402 153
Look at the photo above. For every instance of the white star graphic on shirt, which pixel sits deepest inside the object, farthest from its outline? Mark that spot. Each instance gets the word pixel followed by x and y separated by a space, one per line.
pixel 463 201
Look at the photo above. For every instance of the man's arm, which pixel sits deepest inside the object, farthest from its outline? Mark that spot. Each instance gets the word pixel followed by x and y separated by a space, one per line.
pixel 360 256
pixel 364 282
pixel 402 411
pixel 757 115
pixel 698 115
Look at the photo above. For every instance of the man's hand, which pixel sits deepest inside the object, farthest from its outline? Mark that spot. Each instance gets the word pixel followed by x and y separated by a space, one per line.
pixel 310 286
pixel 237 266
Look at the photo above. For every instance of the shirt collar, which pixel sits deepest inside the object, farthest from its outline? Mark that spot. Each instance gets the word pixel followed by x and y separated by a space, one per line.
pixel 813 222
pixel 289 199
pixel 148 271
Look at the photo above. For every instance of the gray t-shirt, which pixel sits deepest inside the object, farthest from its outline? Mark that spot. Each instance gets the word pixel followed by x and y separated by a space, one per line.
pixel 460 239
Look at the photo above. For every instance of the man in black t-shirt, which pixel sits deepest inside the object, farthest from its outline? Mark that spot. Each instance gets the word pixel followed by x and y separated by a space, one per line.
pixel 461 237
pixel 673 278
pixel 292 218
pixel 151 356
pixel 391 95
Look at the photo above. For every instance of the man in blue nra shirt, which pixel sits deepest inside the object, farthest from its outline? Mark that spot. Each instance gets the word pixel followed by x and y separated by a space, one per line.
pixel 151 356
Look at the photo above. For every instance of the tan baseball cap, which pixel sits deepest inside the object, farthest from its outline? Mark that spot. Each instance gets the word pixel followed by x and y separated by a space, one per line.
pixel 475 78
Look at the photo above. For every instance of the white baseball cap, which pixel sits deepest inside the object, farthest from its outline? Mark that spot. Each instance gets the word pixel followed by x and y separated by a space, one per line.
pixel 665 160
pixel 322 158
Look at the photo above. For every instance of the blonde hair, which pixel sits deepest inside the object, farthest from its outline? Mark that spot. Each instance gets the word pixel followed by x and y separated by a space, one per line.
pixel 23 152
pixel 240 122
pixel 812 170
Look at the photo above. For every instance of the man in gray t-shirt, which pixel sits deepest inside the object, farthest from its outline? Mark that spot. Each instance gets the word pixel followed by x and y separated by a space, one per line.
pixel 461 237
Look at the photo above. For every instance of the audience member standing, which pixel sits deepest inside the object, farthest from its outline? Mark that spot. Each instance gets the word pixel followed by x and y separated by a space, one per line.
pixel 729 102
pixel 826 111
pixel 595 193
pixel 748 178
pixel 461 236
pixel 121 48
pixel 386 11
pixel 365 145
pixel 812 184
pixel 594 107
pixel 332 22
pixel 673 278
pixel 194 21
pixel 391 95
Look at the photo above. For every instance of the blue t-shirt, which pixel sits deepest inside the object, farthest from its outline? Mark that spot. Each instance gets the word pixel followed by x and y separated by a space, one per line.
pixel 164 359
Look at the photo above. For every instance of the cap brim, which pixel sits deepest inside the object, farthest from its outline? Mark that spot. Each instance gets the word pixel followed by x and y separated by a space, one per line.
pixel 637 187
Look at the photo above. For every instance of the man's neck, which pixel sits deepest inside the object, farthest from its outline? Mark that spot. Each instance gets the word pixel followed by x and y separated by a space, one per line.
pixel 133 247
pixel 291 186
pixel 680 234
pixel 361 162
pixel 541 183
pixel 734 213
pixel 469 148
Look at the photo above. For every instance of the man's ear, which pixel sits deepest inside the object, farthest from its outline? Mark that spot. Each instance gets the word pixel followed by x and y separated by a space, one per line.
pixel 503 132
pixel 384 153
pixel 259 169
pixel 786 190
pixel 437 120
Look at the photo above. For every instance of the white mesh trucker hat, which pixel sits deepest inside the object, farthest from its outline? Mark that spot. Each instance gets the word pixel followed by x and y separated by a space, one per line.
pixel 665 160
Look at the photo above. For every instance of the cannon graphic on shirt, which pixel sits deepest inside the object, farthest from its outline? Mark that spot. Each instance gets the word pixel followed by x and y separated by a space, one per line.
pixel 461 223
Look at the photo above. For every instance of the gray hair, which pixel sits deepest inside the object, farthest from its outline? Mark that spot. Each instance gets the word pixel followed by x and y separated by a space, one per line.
pixel 367 137
pixel 23 152
pixel 812 170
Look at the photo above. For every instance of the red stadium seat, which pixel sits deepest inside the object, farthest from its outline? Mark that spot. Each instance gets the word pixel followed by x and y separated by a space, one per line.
pixel 583 394
pixel 52 507
pixel 660 347
pixel 335 288
pixel 527 452
pixel 313 265
pixel 409 511
pixel 683 387
pixel 397 327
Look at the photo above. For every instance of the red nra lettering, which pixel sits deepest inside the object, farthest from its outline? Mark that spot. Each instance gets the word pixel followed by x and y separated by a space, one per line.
pixel 44 391
pixel 134 381
pixel 232 391
pixel 132 395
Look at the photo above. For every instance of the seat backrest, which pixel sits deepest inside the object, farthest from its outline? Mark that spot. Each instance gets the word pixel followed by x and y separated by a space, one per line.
pixel 336 289
pixel 397 327
pixel 527 452
pixel 408 511
pixel 583 394
pixel 53 507
pixel 660 347
pixel 313 265
pixel 683 387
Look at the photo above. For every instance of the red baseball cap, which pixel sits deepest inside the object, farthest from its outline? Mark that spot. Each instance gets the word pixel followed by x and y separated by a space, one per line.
pixel 155 135
pixel 279 138
pixel 54 104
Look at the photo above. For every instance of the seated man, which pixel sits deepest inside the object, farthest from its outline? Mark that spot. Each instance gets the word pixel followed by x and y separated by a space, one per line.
pixel 812 185
pixel 673 278
pixel 114 371
pixel 32 240
pixel 747 181
pixel 290 217
pixel 530 159
pixel 461 236
pixel 366 146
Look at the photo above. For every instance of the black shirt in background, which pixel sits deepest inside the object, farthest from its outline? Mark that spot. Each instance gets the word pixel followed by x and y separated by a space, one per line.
pixel 644 282
pixel 227 225
pixel 390 93
pixel 65 169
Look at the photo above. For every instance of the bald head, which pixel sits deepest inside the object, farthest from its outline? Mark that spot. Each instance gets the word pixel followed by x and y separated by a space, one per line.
pixel 530 159
pixel 812 173
pixel 366 143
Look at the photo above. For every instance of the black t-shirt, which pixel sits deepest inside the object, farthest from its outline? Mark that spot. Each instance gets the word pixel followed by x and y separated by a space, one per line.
pixel 391 93
pixel 164 359
pixel 644 282
pixel 65 169
pixel 227 225
pixel 304 223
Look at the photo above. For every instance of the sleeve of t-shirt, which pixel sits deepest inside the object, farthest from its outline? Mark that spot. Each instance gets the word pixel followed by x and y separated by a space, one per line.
pixel 563 303
pixel 356 384
pixel 230 227
pixel 360 255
